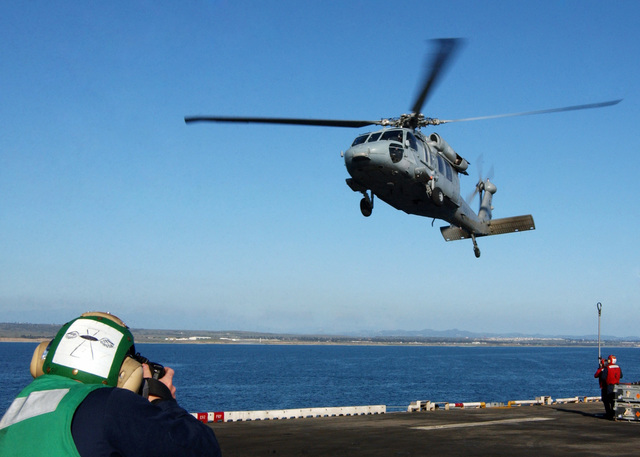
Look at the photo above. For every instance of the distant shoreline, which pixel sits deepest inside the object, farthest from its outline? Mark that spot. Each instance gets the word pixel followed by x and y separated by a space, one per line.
pixel 510 344
pixel 36 333
pixel 22 340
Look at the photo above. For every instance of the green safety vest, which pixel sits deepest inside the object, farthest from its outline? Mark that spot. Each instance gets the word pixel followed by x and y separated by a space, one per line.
pixel 38 422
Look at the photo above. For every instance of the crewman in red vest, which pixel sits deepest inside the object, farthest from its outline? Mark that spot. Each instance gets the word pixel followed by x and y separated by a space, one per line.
pixel 612 374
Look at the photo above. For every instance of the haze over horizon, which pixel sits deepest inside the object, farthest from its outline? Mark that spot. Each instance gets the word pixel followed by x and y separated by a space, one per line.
pixel 389 333
pixel 108 201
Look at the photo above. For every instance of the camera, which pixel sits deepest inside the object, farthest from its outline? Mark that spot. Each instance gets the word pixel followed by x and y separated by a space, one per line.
pixel 157 370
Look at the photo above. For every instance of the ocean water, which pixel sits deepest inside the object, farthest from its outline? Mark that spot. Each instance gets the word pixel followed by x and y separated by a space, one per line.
pixel 211 377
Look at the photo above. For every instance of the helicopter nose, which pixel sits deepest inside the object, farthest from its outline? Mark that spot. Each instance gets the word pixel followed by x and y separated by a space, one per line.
pixel 357 154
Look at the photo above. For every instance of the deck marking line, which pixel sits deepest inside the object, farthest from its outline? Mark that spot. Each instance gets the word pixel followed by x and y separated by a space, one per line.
pixel 480 424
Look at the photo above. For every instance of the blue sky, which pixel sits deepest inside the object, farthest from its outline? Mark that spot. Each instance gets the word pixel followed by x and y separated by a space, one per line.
pixel 108 201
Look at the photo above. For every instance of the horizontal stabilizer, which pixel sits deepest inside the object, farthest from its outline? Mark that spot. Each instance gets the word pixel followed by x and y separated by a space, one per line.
pixel 495 226
pixel 511 224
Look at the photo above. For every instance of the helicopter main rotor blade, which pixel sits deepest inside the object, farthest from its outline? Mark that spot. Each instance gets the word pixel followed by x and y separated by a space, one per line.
pixel 282 120
pixel 542 111
pixel 446 49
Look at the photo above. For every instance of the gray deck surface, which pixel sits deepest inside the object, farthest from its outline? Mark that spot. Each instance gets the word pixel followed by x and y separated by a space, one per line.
pixel 554 430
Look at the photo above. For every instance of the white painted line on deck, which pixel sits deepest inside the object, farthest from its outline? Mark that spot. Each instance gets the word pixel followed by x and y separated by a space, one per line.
pixel 481 424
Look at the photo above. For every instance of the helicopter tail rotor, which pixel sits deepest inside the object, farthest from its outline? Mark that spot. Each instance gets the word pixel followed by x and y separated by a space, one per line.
pixel 481 185
pixel 476 191
pixel 488 189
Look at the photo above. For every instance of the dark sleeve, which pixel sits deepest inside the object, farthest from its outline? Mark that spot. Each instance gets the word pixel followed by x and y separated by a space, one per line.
pixel 113 420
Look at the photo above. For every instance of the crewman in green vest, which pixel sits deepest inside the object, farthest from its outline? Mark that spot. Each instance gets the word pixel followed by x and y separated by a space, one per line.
pixel 92 396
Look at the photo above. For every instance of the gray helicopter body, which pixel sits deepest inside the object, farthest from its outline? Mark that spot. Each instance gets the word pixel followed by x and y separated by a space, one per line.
pixel 404 169
pixel 412 172
pixel 420 175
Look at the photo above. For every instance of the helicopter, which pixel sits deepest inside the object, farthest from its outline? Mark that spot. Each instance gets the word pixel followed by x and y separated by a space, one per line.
pixel 413 172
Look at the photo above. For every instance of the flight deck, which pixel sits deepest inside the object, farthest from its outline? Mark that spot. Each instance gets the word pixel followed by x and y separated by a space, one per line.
pixel 572 429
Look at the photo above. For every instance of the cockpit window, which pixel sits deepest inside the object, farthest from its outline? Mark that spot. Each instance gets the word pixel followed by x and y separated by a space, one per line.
pixel 392 135
pixel 374 137
pixel 413 143
pixel 361 139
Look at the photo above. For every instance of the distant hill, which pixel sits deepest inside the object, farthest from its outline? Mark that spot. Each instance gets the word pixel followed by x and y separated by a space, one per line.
pixel 455 333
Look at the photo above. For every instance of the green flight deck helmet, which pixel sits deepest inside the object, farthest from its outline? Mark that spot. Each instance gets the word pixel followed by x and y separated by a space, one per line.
pixel 95 348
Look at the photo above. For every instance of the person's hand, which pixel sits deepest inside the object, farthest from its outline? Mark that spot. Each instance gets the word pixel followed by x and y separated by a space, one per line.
pixel 167 380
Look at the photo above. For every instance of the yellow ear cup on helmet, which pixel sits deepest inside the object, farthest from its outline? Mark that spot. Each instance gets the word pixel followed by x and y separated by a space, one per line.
pixel 38 359
pixel 130 376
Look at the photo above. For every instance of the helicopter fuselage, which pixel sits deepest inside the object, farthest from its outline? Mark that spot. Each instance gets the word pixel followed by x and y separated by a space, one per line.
pixel 413 173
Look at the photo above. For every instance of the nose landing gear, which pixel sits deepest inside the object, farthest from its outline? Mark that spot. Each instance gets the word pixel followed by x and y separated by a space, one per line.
pixel 366 204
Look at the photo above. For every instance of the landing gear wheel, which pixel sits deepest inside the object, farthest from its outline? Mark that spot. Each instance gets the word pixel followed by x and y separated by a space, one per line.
pixel 366 207
pixel 437 196
pixel 366 204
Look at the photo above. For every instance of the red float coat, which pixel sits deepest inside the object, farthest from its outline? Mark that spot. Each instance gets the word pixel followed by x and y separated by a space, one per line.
pixel 614 373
